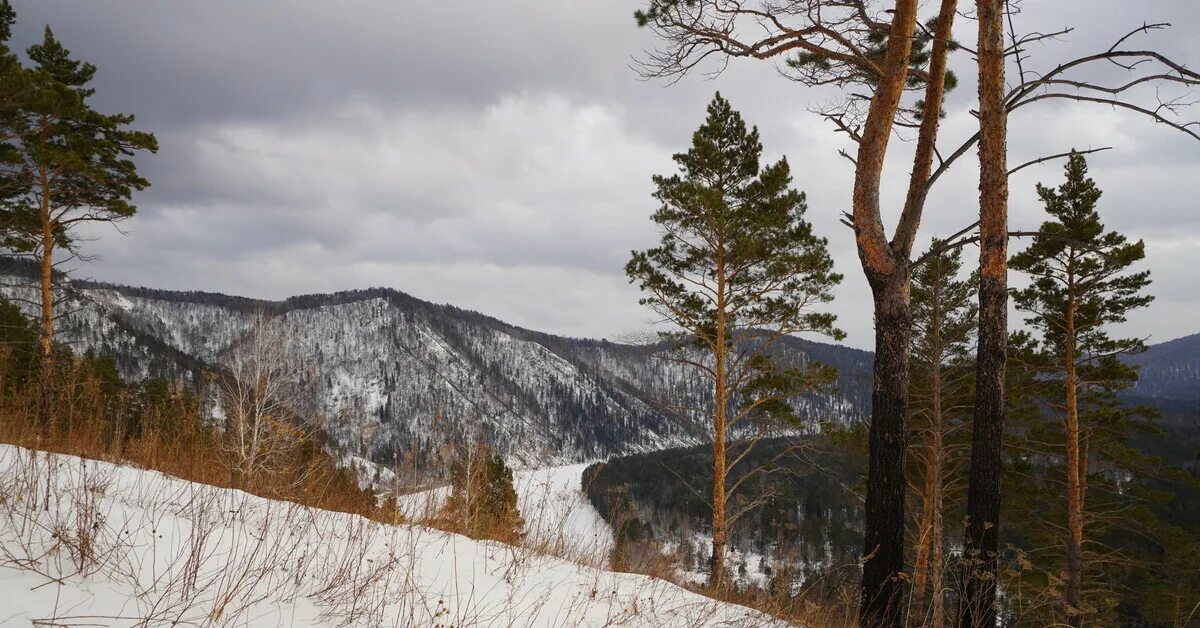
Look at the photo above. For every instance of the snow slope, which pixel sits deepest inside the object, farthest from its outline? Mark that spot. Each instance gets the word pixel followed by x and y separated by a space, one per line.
pixel 90 543
pixel 558 516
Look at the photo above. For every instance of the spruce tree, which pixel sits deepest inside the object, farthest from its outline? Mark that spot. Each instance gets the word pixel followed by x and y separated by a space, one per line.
pixel 1082 284
pixel 66 164
pixel 736 270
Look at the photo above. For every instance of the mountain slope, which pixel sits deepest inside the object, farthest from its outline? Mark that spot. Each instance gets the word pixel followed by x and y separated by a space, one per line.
pixel 397 373
pixel 1170 370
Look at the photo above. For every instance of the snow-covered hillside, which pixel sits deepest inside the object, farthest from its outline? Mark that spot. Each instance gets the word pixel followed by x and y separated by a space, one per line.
pixel 1170 370
pixel 89 543
pixel 396 373
pixel 558 516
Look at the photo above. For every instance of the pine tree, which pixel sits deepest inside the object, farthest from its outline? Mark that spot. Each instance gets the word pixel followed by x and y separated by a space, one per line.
pixel 12 95
pixel 942 369
pixel 1082 284
pixel 66 164
pixel 737 269
pixel 18 348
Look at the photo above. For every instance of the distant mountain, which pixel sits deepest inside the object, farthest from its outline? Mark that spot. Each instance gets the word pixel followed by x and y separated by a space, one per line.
pixel 396 371
pixel 1170 370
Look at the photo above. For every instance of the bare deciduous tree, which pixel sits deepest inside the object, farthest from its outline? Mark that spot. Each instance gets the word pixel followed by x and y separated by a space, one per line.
pixel 267 399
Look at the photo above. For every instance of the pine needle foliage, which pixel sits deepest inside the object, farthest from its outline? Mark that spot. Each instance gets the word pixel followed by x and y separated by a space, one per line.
pixel 735 247
pixel 1084 512
pixel 68 163
pixel 737 269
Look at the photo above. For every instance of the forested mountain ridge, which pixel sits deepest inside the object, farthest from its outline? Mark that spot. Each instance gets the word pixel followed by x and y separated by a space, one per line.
pixel 1170 370
pixel 396 373
pixel 391 364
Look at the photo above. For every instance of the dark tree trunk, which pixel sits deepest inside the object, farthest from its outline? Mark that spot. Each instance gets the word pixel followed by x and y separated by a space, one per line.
pixel 883 589
pixel 978 602
pixel 983 496
pixel 716 574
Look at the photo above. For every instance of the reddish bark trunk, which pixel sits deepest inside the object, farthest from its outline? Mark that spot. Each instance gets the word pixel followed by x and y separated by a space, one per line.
pixel 882 593
pixel 1075 476
pixel 716 577
pixel 46 335
pixel 978 602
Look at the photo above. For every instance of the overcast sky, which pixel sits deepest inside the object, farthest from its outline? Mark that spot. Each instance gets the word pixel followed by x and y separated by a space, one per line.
pixel 497 154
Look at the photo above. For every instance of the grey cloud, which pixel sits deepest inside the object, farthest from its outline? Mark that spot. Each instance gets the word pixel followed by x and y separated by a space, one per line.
pixel 497 154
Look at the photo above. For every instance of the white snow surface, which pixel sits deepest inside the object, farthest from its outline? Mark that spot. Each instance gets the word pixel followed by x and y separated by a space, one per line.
pixel 90 543
pixel 557 514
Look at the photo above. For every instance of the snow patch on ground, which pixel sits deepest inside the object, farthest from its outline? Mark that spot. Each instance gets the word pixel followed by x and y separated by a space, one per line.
pixel 557 514
pixel 86 542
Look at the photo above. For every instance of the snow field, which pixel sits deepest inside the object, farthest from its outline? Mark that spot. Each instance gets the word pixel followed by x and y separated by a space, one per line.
pixel 559 519
pixel 91 543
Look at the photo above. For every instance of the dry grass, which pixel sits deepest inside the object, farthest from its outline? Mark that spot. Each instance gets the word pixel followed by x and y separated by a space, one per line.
pixel 69 535
pixel 90 422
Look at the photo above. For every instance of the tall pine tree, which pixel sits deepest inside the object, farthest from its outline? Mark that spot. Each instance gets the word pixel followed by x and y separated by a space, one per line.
pixel 737 269
pixel 66 164
pixel 1082 284
pixel 942 371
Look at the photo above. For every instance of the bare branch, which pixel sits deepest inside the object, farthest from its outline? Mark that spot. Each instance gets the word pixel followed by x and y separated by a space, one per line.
pixel 1046 158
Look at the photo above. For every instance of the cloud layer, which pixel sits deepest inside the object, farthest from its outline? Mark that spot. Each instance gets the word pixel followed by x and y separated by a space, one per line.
pixel 497 155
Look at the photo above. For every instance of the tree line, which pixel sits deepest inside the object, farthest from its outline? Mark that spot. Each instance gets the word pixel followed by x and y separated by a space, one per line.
pixel 737 261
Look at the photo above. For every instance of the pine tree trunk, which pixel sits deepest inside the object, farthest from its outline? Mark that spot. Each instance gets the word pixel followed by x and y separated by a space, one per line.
pixel 46 336
pixel 927 567
pixel 924 544
pixel 1074 471
pixel 883 589
pixel 716 576
pixel 927 539
pixel 935 460
pixel 936 563
pixel 886 269
pixel 930 539
pixel 978 602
